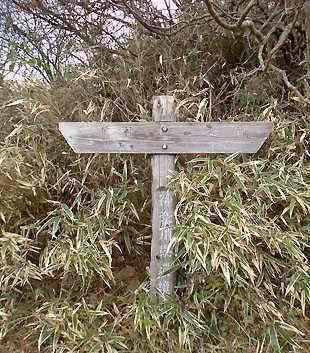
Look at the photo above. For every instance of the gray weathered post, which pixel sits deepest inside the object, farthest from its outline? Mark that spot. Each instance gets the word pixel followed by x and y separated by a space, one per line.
pixel 164 137
pixel 162 205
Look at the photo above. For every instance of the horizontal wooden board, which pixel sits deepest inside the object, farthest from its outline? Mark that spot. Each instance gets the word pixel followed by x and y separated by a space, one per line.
pixel 168 138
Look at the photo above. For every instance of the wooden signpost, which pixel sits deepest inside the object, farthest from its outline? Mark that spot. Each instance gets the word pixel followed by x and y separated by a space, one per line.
pixel 163 138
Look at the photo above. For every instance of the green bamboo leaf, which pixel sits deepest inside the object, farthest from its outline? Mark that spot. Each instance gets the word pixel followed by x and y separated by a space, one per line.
pixel 56 223
pixel 226 272
pixel 273 336
pixel 68 212
pixel 45 334
pixel 202 108
pixel 17 102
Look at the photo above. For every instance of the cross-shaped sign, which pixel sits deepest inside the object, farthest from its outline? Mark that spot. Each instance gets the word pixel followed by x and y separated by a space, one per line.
pixel 164 138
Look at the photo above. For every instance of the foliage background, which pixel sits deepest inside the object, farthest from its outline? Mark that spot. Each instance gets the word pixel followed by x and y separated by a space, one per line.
pixel 75 229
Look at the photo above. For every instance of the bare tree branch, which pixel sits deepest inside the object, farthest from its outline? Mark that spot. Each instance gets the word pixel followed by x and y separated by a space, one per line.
pixel 232 27
pixel 243 23
pixel 289 85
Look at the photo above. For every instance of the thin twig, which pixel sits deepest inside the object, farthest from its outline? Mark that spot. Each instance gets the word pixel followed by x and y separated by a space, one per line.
pixel 245 13
pixel 289 85
pixel 248 24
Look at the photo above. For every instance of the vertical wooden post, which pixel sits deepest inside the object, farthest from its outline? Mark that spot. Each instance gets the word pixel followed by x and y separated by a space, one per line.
pixel 163 206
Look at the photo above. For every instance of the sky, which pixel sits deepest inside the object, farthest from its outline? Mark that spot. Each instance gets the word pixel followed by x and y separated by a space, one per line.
pixel 160 4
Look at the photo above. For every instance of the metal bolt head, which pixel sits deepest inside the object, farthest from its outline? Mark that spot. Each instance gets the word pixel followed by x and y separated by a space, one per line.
pixel 164 146
pixel 164 129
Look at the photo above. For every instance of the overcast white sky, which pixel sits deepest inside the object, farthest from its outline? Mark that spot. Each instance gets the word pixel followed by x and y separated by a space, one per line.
pixel 160 4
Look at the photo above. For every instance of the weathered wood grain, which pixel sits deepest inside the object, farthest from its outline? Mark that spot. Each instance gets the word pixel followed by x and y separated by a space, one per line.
pixel 165 137
pixel 163 209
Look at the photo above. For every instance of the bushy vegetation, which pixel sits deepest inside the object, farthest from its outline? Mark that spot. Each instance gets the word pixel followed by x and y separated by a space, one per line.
pixel 75 229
